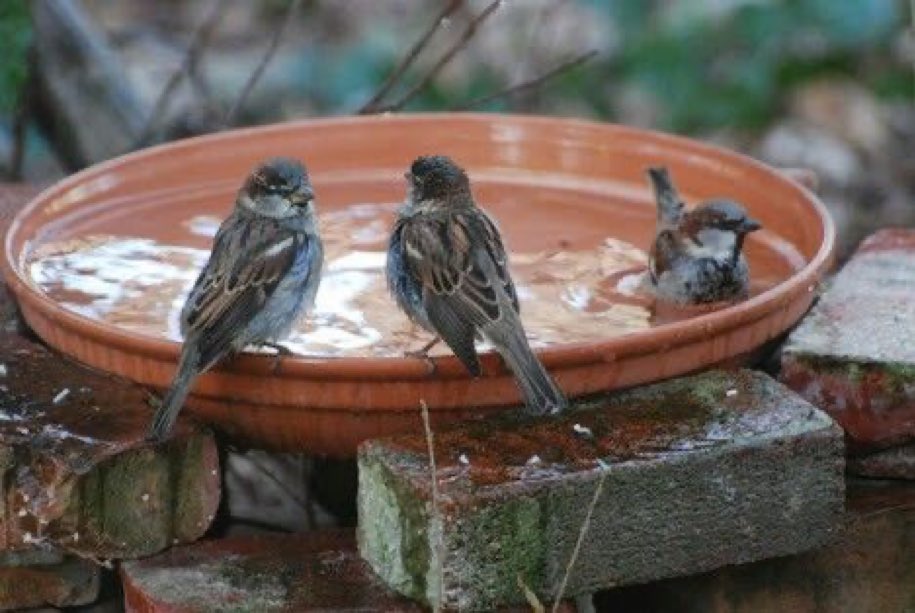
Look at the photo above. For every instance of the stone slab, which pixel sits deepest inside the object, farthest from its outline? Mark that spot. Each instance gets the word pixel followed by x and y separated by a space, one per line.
pixel 38 578
pixel 870 568
pixel 854 354
pixel 894 463
pixel 75 471
pixel 699 472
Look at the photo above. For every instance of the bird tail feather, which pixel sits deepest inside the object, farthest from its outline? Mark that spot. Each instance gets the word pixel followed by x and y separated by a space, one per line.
pixel 541 394
pixel 167 412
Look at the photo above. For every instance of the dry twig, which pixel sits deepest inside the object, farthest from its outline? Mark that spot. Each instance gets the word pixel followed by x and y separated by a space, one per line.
pixel 532 83
pixel 439 546
pixel 199 43
pixel 529 595
pixel 582 532
pixel 443 61
pixel 372 105
pixel 278 34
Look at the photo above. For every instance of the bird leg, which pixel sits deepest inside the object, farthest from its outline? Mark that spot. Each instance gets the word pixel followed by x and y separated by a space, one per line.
pixel 423 354
pixel 281 352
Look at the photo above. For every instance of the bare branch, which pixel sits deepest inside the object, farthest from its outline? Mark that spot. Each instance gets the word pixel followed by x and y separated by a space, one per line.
pixel 407 61
pixel 566 66
pixel 582 532
pixel 21 120
pixel 278 33
pixel 199 43
pixel 443 61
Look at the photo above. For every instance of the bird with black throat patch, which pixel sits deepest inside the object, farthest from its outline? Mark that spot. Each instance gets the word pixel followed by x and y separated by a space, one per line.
pixel 447 269
pixel 697 254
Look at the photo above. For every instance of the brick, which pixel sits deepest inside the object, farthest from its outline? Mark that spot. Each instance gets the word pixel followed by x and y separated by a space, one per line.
pixel 38 578
pixel 313 571
pixel 894 463
pixel 75 472
pixel 871 567
pixel 699 472
pixel 854 354
pixel 296 572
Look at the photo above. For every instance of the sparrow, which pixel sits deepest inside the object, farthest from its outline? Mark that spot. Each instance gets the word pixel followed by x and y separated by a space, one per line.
pixel 447 269
pixel 696 256
pixel 263 271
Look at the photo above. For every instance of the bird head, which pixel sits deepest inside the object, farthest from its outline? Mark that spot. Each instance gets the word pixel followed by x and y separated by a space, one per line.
pixel 437 178
pixel 278 188
pixel 717 229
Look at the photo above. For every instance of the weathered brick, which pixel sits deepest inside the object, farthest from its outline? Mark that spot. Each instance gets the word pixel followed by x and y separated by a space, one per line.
pixel 316 571
pixel 699 472
pixel 894 463
pixel 75 472
pixel 870 568
pixel 36 578
pixel 854 354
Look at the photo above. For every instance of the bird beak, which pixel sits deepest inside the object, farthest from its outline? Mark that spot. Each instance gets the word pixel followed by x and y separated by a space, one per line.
pixel 408 176
pixel 302 197
pixel 749 225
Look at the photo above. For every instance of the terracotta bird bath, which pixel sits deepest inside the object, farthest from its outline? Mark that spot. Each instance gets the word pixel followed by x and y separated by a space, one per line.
pixel 100 263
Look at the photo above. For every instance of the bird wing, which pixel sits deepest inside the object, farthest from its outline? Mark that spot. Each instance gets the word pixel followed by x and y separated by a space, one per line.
pixel 249 260
pixel 459 262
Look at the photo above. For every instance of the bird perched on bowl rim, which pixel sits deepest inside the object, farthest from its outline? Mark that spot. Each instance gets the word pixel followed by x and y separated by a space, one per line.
pixel 263 271
pixel 448 271
pixel 697 255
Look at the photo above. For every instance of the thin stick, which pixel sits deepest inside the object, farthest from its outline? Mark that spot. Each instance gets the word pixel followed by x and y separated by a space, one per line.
pixel 529 595
pixel 278 33
pixel 408 59
pixel 199 43
pixel 566 66
pixel 430 444
pixel 581 538
pixel 443 61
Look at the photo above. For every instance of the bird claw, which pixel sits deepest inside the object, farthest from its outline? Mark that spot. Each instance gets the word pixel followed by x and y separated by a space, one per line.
pixel 423 354
pixel 281 352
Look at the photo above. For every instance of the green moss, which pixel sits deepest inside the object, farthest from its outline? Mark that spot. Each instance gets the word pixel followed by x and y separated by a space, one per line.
pixel 397 545
pixel 497 543
pixel 190 477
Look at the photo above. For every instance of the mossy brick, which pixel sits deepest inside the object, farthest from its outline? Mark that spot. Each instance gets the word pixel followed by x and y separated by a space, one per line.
pixel 37 578
pixel 75 471
pixel 870 567
pixel 853 355
pixel 697 473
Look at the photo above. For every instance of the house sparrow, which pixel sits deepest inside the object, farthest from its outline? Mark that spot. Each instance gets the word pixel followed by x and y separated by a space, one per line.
pixel 448 270
pixel 696 256
pixel 264 269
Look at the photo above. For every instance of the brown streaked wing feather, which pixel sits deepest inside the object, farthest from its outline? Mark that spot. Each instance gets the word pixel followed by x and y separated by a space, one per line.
pixel 238 280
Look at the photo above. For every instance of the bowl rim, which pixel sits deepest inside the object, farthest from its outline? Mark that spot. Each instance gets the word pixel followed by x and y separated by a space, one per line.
pixel 567 355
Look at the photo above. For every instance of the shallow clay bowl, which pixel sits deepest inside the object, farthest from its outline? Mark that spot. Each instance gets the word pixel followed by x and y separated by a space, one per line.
pixel 548 181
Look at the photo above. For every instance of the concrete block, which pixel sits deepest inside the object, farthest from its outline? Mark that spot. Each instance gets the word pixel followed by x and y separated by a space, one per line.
pixel 870 568
pixel 854 355
pixel 696 473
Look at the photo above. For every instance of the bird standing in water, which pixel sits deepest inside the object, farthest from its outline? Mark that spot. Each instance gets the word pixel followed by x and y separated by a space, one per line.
pixel 697 254
pixel 448 271
pixel 263 271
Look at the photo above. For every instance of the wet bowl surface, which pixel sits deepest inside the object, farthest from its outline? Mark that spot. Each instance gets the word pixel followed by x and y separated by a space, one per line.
pixel 560 190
